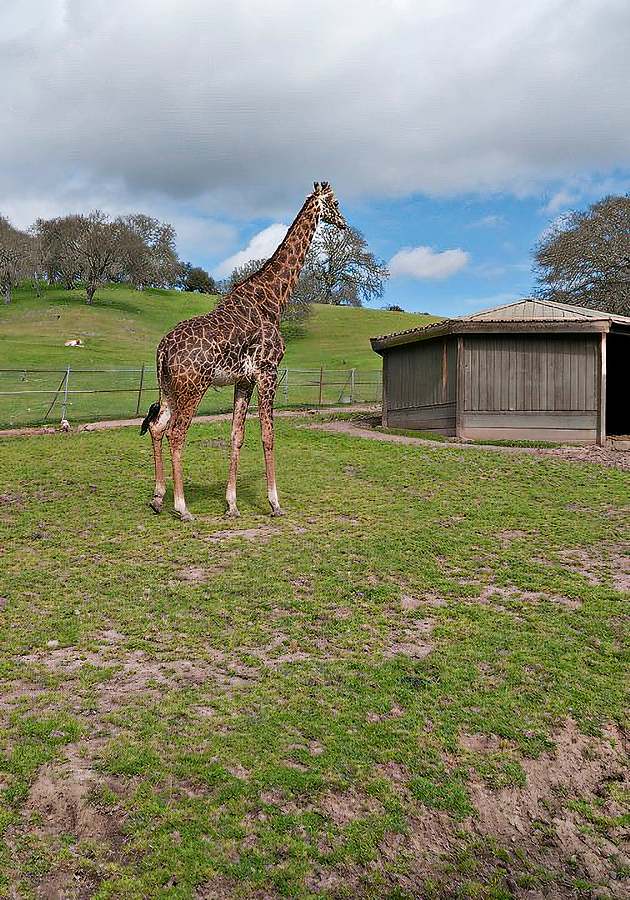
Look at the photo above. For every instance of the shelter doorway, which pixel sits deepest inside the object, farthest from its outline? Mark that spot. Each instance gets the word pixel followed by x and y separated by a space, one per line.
pixel 617 384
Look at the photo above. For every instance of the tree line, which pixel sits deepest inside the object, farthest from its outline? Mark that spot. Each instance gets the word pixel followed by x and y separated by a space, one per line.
pixel 92 250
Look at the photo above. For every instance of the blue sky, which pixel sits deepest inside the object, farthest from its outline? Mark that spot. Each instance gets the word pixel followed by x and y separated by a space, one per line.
pixel 453 131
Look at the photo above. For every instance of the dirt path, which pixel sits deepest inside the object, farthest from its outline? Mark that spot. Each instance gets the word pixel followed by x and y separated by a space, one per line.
pixel 214 417
pixel 617 459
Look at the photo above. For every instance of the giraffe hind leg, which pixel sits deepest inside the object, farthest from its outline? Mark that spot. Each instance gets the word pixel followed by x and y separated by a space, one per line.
pixel 176 434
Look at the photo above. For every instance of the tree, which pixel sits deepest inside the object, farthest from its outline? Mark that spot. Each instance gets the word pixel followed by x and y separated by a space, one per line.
pixel 148 248
pixel 55 240
pixel 340 269
pixel 242 273
pixel 195 279
pixel 584 259
pixel 15 257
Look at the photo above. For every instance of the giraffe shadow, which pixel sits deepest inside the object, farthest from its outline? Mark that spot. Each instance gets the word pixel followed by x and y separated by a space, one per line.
pixel 211 494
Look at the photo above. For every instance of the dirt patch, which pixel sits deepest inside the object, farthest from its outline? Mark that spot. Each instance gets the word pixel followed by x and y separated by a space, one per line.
pixel 508 536
pixel 260 533
pixel 412 640
pixel 193 574
pixel 343 808
pixel 10 499
pixel 493 593
pixel 540 818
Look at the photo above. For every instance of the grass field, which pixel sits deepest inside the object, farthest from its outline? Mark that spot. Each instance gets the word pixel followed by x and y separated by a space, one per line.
pixel 122 329
pixel 410 686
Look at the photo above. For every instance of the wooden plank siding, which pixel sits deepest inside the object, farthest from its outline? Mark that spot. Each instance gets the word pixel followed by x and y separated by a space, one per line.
pixel 421 386
pixel 530 386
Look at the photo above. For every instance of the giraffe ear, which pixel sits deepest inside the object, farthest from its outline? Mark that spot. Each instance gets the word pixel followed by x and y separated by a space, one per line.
pixel 316 185
pixel 325 185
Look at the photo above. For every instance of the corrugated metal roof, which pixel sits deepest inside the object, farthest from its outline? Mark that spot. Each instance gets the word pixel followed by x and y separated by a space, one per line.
pixel 528 310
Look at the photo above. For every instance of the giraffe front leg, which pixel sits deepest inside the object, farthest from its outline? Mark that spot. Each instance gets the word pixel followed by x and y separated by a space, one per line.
pixel 242 396
pixel 266 394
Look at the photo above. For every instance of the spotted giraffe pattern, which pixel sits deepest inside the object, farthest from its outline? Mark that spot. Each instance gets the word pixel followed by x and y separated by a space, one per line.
pixel 238 343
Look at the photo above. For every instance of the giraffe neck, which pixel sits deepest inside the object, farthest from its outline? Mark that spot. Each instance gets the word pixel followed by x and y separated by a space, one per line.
pixel 279 276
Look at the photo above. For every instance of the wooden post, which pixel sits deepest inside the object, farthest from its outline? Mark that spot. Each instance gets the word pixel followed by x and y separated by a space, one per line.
pixel 352 375
pixel 460 392
pixel 321 384
pixel 384 416
pixel 140 390
pixel 601 392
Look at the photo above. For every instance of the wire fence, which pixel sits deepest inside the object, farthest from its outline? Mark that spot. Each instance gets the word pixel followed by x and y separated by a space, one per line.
pixel 41 396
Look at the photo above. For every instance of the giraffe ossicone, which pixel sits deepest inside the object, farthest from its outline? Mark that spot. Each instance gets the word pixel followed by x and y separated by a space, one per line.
pixel 238 343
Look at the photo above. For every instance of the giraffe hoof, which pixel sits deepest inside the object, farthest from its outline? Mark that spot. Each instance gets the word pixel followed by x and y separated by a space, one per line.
pixel 232 513
pixel 277 511
pixel 185 516
pixel 156 506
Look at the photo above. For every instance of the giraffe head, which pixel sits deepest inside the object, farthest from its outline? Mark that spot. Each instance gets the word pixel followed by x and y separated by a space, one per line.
pixel 328 205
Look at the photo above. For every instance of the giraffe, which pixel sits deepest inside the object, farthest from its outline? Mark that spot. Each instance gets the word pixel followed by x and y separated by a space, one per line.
pixel 238 343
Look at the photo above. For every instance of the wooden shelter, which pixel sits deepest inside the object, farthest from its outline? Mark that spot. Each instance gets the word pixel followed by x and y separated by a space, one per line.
pixel 532 369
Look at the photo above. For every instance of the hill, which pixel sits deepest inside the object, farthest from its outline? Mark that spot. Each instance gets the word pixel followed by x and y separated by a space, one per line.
pixel 122 329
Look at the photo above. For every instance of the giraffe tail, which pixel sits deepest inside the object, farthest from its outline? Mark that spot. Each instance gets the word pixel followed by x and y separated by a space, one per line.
pixel 151 416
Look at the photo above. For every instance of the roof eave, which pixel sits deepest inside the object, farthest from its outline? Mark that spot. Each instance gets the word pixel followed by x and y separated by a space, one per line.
pixel 533 326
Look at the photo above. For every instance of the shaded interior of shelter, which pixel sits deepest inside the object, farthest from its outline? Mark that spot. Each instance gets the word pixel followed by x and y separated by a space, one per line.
pixel 618 384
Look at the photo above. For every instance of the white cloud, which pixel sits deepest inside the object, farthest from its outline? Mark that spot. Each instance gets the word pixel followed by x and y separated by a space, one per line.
pixel 261 246
pixel 381 99
pixel 424 262
pixel 491 221
pixel 562 199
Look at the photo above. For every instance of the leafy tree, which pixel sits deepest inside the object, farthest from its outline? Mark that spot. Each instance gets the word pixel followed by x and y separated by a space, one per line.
pixel 195 279
pixel 584 259
pixel 341 270
pixel 55 242
pixel 149 254
pixel 15 257
pixel 393 307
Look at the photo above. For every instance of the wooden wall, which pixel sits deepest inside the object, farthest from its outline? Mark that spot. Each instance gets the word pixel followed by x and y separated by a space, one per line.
pixel 529 386
pixel 420 385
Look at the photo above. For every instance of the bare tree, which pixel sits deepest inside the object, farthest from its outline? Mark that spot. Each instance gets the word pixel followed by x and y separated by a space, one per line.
pixel 15 257
pixel 340 269
pixel 584 259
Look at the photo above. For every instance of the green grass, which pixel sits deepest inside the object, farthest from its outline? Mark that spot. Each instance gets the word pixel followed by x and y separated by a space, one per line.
pixel 247 716
pixel 122 329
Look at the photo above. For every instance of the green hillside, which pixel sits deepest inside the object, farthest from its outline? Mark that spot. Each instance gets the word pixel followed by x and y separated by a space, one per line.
pixel 122 329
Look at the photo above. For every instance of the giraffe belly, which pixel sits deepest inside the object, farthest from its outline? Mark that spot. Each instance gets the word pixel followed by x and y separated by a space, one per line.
pixel 223 375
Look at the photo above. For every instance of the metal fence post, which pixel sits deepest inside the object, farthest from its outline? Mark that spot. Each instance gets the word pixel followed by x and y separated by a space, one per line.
pixel 352 385
pixel 64 408
pixel 54 399
pixel 321 383
pixel 286 387
pixel 140 390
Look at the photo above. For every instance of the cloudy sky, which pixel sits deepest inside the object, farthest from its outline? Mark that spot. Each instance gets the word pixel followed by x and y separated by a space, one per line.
pixel 453 131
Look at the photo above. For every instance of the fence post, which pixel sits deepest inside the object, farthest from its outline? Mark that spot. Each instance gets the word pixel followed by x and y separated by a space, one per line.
pixel 64 408
pixel 321 384
pixel 140 390
pixel 352 385
pixel 54 399
pixel 286 387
